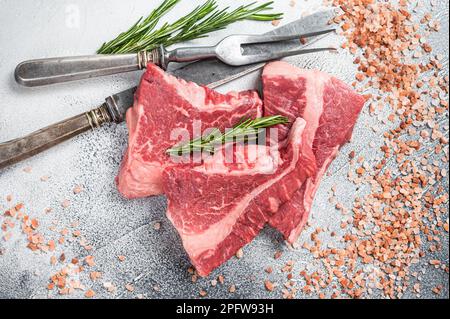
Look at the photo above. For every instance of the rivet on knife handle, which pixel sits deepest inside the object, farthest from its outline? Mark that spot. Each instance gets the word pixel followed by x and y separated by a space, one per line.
pixel 65 69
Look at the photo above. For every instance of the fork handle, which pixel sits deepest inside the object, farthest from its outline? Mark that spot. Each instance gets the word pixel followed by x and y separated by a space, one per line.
pixel 65 69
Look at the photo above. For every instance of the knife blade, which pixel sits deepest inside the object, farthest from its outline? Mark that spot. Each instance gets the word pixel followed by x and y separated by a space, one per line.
pixel 211 73
pixel 214 73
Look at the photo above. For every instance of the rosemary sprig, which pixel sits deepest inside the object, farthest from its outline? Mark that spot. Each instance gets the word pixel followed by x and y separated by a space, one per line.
pixel 143 27
pixel 198 23
pixel 247 130
pixel 218 20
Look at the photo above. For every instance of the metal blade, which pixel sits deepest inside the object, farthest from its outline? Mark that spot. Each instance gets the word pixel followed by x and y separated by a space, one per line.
pixel 119 103
pixel 268 38
pixel 275 55
pixel 214 73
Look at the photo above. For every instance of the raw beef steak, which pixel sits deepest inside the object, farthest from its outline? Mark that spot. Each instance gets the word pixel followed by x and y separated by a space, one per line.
pixel 218 207
pixel 164 103
pixel 330 109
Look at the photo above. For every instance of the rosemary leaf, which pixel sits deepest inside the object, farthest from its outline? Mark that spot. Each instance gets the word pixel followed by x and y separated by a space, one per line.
pixel 140 29
pixel 220 19
pixel 198 23
pixel 247 130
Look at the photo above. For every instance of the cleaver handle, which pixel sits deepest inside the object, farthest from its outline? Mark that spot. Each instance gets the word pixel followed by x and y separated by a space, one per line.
pixel 19 149
pixel 66 69
pixel 113 110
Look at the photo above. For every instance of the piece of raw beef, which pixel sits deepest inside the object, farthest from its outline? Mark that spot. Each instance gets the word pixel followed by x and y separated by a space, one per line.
pixel 220 206
pixel 164 103
pixel 330 108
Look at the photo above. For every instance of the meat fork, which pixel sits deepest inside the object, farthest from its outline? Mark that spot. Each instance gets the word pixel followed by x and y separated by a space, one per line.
pixel 230 51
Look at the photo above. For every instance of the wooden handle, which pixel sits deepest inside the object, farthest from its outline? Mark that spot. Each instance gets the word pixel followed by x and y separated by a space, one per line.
pixel 19 149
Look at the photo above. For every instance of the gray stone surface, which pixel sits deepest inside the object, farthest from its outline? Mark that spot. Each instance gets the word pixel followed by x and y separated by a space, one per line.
pixel 114 226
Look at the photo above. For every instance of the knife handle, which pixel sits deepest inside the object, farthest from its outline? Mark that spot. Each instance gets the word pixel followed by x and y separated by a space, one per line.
pixel 19 149
pixel 65 69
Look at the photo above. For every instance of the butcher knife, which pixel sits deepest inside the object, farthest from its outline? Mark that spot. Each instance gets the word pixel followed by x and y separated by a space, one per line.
pixel 211 73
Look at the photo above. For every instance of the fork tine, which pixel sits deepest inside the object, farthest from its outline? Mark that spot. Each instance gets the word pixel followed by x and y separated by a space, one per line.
pixel 248 59
pixel 252 39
